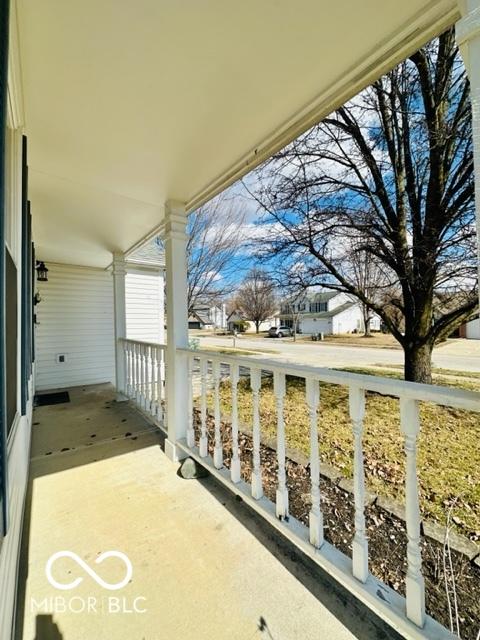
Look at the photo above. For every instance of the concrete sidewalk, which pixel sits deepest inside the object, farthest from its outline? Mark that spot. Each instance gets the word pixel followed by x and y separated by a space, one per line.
pixel 202 568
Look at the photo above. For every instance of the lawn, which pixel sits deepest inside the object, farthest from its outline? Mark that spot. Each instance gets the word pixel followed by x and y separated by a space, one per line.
pixel 377 340
pixel 448 453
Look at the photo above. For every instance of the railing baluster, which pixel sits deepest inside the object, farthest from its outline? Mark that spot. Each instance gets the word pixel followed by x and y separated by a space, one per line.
pixel 130 370
pixel 218 449
pixel 190 430
pixel 144 376
pixel 203 409
pixel 153 386
pixel 154 404
pixel 125 367
pixel 360 543
pixel 147 378
pixel 255 383
pixel 137 376
pixel 160 407
pixel 312 393
pixel 235 462
pixel 126 346
pixel 415 584
pixel 282 491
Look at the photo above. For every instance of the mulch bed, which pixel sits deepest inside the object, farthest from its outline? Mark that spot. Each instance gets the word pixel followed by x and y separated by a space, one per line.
pixel 386 534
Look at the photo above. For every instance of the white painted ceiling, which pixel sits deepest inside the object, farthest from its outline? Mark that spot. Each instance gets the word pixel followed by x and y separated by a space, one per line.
pixel 129 103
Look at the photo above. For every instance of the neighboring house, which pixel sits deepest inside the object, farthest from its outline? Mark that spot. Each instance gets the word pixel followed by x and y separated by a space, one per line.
pixel 205 317
pixel 237 317
pixel 328 312
pixel 470 330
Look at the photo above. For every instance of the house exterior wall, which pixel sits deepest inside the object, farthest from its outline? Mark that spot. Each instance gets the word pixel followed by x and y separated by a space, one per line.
pixel 144 305
pixel 15 457
pixel 337 301
pixel 344 322
pixel 75 318
pixel 264 326
pixel 315 325
pixel 347 321
pixel 472 329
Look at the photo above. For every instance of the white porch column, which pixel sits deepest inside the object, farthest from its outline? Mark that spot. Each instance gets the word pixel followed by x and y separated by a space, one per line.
pixel 175 241
pixel 468 39
pixel 119 272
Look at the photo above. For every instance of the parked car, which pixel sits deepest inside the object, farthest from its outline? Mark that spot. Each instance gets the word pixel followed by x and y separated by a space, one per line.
pixel 279 332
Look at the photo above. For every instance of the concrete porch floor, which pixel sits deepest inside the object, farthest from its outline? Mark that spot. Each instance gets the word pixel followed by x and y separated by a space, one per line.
pixel 205 564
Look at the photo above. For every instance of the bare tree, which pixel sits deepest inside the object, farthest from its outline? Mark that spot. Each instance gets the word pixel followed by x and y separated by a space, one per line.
pixel 394 167
pixel 256 297
pixel 214 249
pixel 368 277
pixel 290 305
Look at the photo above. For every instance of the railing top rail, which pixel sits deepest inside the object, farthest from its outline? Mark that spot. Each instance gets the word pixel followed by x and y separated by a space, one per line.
pixel 445 396
pixel 148 344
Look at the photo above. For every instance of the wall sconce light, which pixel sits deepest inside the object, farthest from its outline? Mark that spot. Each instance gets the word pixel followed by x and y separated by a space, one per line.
pixel 42 271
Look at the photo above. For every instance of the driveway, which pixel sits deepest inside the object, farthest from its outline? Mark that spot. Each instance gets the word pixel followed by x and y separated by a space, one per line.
pixel 461 355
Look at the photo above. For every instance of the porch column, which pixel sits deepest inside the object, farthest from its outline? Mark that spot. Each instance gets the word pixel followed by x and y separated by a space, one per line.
pixel 175 240
pixel 119 272
pixel 468 39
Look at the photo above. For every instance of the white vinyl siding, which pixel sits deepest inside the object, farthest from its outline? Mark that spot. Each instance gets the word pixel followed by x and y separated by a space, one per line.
pixel 75 318
pixel 473 329
pixel 144 305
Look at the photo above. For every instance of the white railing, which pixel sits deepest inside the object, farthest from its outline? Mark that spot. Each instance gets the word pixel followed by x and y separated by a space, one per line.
pixel 406 614
pixel 145 376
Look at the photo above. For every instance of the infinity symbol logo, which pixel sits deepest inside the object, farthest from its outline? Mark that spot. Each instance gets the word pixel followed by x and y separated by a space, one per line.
pixel 103 556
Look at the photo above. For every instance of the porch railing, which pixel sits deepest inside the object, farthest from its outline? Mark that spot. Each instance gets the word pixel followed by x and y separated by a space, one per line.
pixel 145 376
pixel 406 614
pixel 145 385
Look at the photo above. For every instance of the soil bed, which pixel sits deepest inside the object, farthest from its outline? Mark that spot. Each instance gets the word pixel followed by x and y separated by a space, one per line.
pixel 386 533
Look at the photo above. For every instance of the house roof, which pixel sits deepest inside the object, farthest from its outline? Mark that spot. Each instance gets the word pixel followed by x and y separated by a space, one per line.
pixel 235 315
pixel 325 314
pixel 201 315
pixel 150 254
pixel 322 296
pixel 315 296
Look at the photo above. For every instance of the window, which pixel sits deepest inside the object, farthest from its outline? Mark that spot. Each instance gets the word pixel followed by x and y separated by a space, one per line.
pixel 318 307
pixel 11 338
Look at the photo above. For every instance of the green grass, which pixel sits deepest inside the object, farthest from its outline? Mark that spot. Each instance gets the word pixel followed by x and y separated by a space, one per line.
pixel 448 451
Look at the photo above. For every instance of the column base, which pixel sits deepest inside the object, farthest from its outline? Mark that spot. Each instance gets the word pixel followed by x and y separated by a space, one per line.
pixel 120 397
pixel 218 457
pixel 235 474
pixel 316 529
pixel 281 504
pixel 257 489
pixel 360 559
pixel 174 453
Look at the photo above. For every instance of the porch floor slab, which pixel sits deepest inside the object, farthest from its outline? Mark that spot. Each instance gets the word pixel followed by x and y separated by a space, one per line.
pixel 198 571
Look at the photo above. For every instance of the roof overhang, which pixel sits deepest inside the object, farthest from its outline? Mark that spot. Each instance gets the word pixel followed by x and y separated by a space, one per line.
pixel 130 104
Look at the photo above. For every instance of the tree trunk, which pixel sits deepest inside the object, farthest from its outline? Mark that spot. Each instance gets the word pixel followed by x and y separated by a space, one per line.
pixel 257 326
pixel 366 321
pixel 418 363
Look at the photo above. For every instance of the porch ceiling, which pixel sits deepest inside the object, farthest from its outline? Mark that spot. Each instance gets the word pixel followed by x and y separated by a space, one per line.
pixel 128 104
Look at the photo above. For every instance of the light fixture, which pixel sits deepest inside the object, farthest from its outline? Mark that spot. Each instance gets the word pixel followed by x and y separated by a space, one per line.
pixel 41 271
